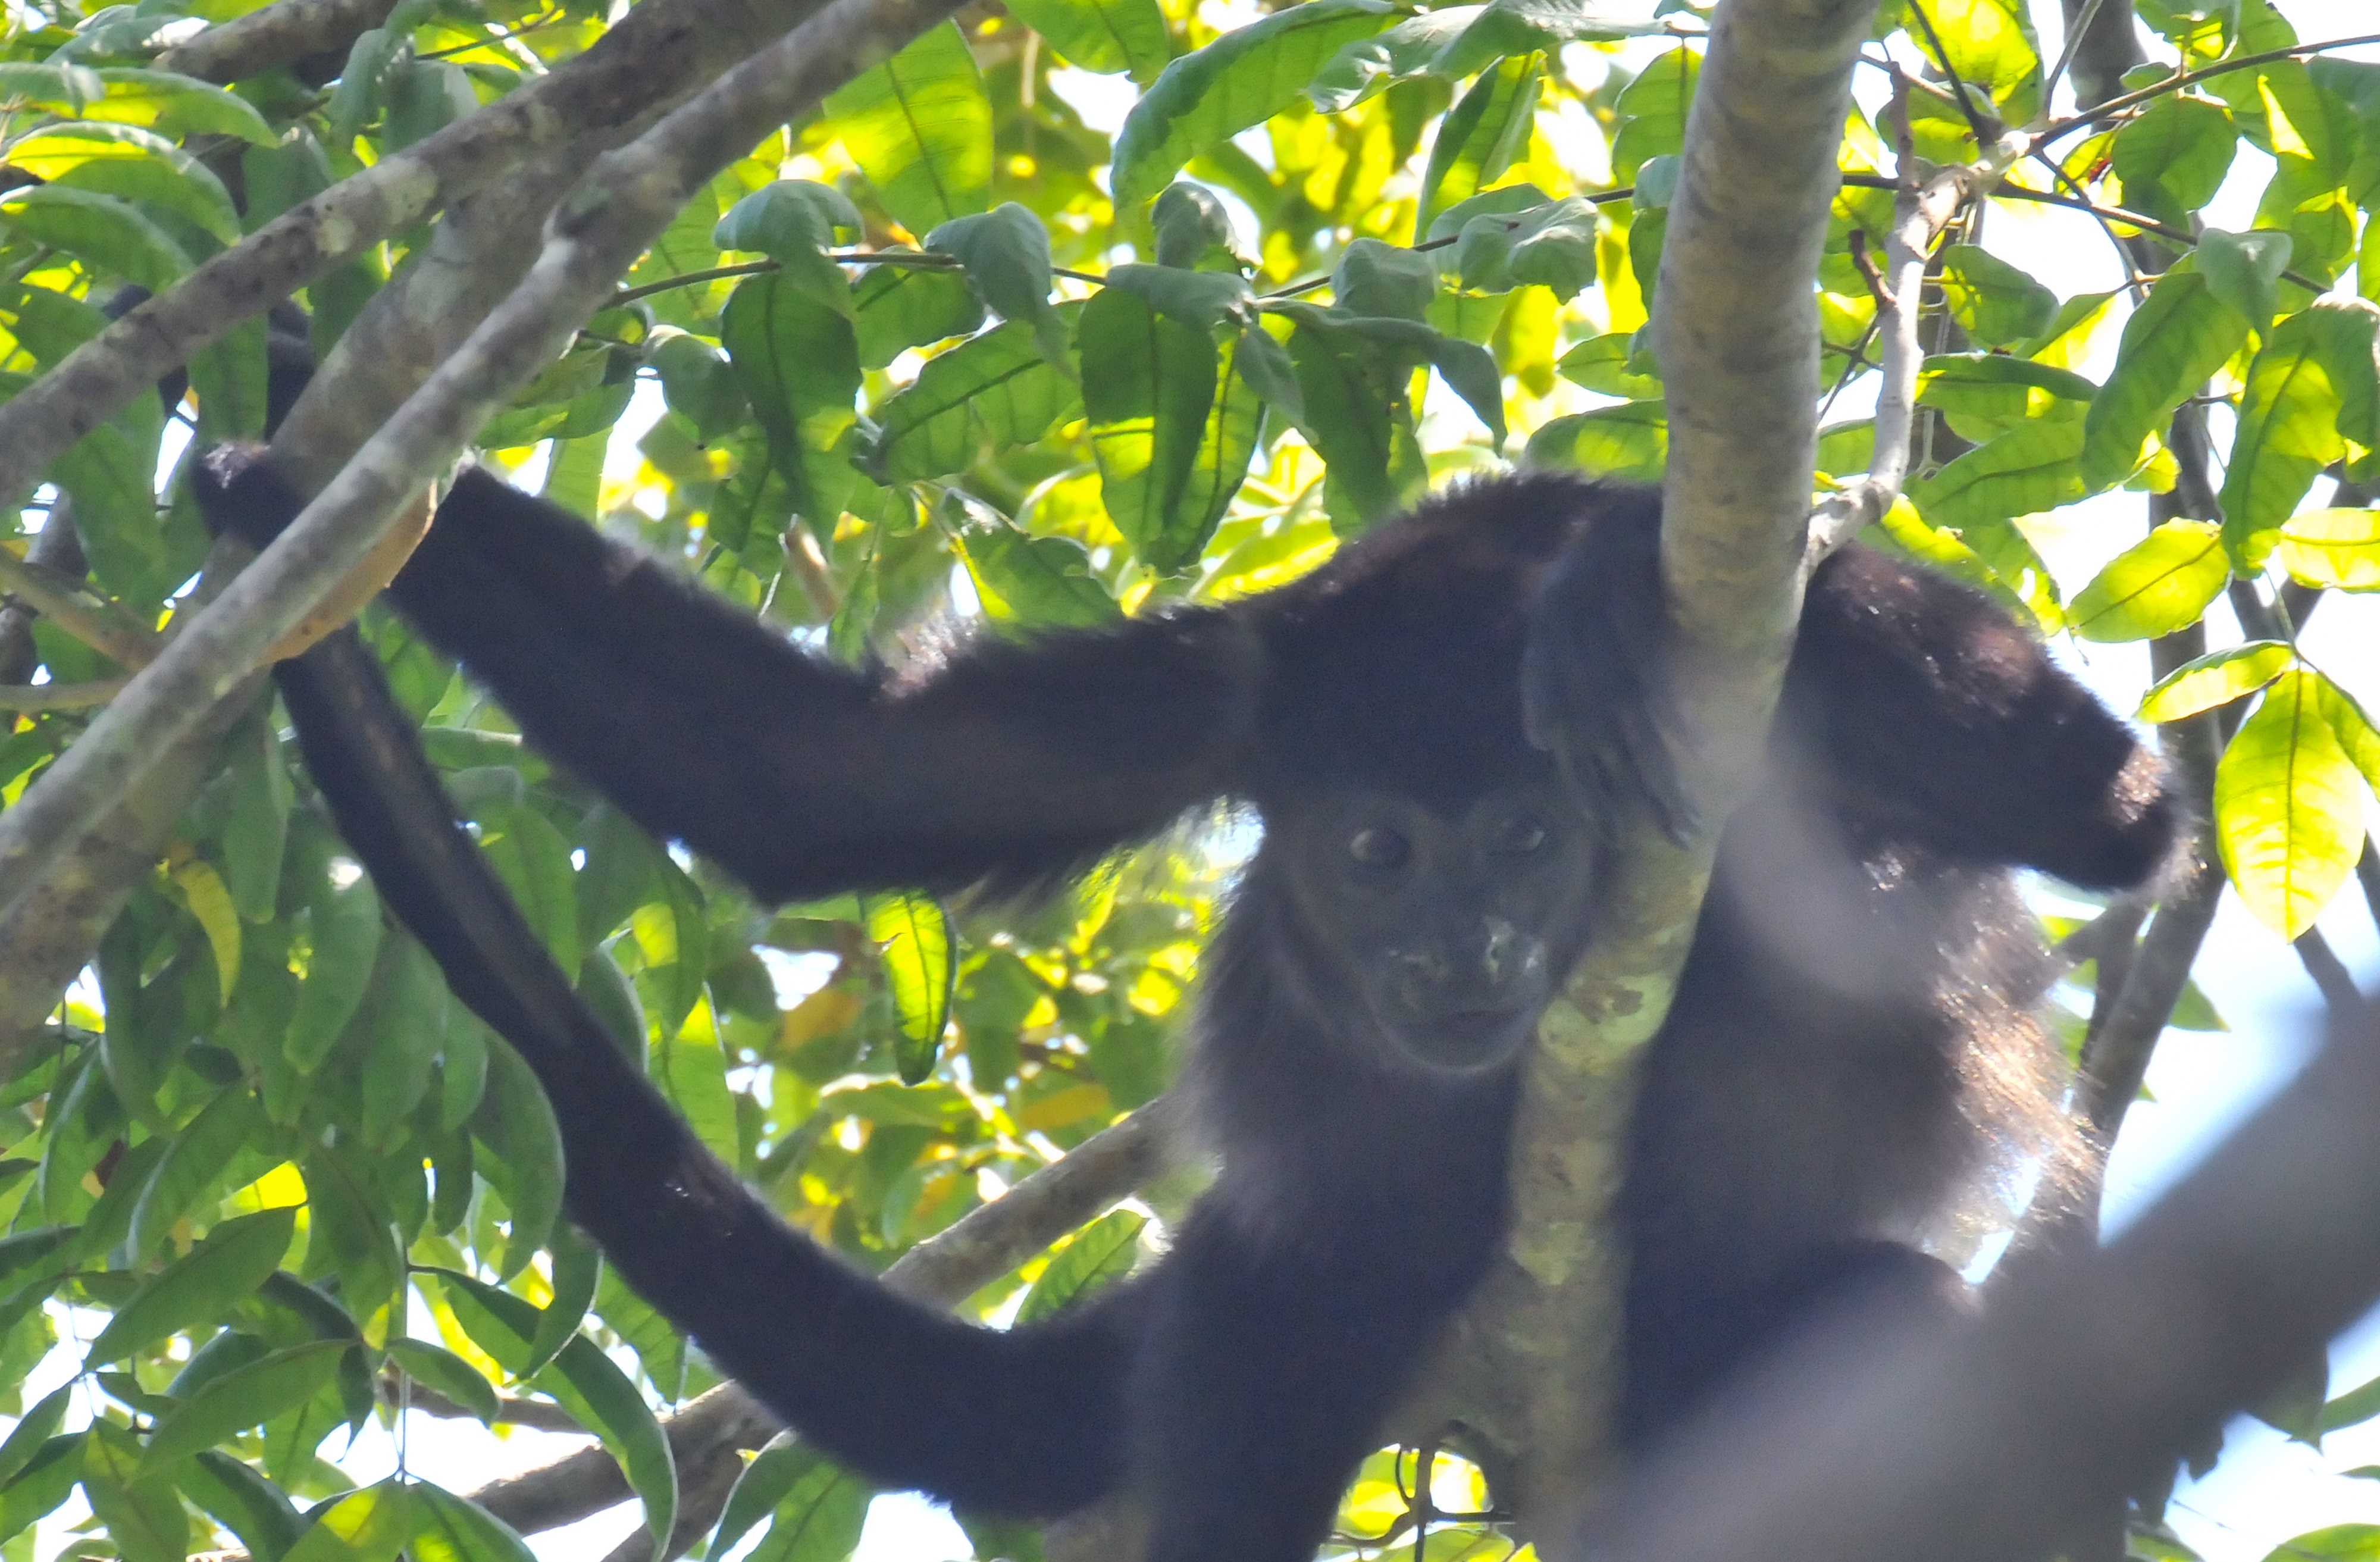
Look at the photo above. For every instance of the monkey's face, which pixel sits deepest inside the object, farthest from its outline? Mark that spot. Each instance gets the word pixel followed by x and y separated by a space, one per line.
pixel 1450 932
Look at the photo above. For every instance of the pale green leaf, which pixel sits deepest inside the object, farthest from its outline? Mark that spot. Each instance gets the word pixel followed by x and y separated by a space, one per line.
pixel 2288 806
pixel 2159 584
pixel 2217 680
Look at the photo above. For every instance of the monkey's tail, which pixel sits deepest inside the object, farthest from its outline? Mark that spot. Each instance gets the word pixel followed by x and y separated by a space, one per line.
pixel 1027 1423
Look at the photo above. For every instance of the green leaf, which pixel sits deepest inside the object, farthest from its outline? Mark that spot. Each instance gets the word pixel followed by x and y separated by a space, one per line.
pixel 1105 36
pixel 137 164
pixel 436 1368
pixel 1357 419
pixel 1989 394
pixel 1654 106
pixel 1228 442
pixel 1099 1252
pixel 1204 300
pixel 789 217
pixel 1991 45
pixel 2180 333
pixel 2217 680
pixel 178 106
pixel 920 963
pixel 1149 385
pixel 896 308
pixel 348 1235
pixel 2313 365
pixel 1552 244
pixel 2289 809
pixel 1370 65
pixel 244 1502
pixel 452 1529
pixel 194 1161
pixel 2339 1542
pixel 819 1520
pixel 1239 81
pixel 108 232
pixel 2354 729
pixel 346 941
pixel 1043 581
pixel 596 1393
pixel 1193 228
pixel 2352 1409
pixel 143 1514
pixel 515 1121
pixel 773 1473
pixel 1382 280
pixel 2173 157
pixel 2337 548
pixel 258 828
pixel 577 1269
pixel 1506 28
pixel 2243 270
pixel 243 1397
pixel 232 1261
pixel 1481 135
pixel 47 1479
pixel 406 1036
pixel 533 859
pixel 32 1432
pixel 371 1525
pixel 1600 364
pixel 2159 584
pixel 699 384
pixel 1006 252
pixel 1630 442
pixel 1992 300
pixel 919 126
pixel 998 385
pixel 2030 468
pixel 691 1070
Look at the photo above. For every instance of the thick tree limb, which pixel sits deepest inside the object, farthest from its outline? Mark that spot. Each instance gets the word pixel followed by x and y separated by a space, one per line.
pixel 280 33
pixel 986 1244
pixel 1882 1442
pixel 631 200
pixel 655 55
pixel 1736 331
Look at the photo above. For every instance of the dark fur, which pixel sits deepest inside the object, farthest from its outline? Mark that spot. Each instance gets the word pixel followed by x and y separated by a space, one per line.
pixel 1824 1083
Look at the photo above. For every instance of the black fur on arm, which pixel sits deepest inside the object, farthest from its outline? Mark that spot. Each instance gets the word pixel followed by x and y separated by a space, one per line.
pixel 1947 724
pixel 1025 1423
pixel 1011 766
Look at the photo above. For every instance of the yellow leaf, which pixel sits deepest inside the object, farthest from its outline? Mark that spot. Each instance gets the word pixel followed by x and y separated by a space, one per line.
pixel 209 901
pixel 2287 806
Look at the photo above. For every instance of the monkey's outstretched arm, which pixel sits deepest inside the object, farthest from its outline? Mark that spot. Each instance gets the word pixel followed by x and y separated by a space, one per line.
pixel 1943 722
pixel 1025 1423
pixel 1011 765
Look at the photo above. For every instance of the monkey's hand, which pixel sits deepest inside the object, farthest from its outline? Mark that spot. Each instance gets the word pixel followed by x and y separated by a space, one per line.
pixel 1594 683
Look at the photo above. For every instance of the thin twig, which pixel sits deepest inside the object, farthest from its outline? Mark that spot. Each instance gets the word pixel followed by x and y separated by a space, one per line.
pixel 60 696
pixel 2080 25
pixel 2058 128
pixel 2329 972
pixel 102 626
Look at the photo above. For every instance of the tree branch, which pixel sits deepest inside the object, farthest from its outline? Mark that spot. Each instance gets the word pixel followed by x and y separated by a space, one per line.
pixel 656 55
pixel 986 1243
pixel 281 33
pixel 1883 1439
pixel 1736 331
pixel 628 201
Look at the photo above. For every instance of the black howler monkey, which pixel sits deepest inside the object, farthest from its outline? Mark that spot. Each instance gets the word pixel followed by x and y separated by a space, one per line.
pixel 1425 877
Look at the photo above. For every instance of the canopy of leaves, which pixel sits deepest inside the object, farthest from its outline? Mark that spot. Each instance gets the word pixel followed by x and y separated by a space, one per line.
pixel 949 347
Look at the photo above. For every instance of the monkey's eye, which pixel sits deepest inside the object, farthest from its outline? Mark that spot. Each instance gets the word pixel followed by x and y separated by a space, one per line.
pixel 1517 835
pixel 1379 847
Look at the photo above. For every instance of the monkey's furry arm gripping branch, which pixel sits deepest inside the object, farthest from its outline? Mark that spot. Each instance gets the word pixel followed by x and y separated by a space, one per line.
pixel 1011 764
pixel 1022 1423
